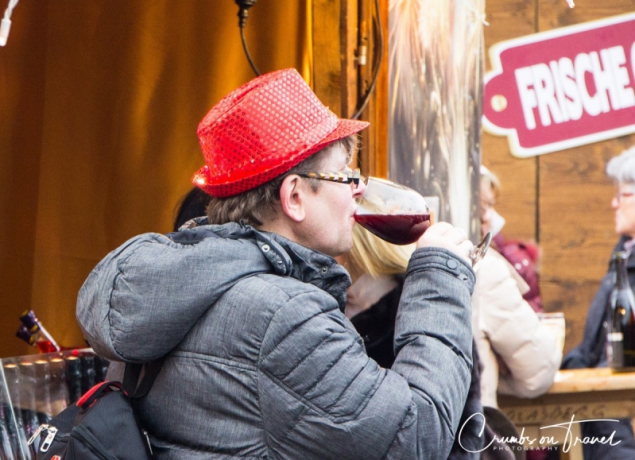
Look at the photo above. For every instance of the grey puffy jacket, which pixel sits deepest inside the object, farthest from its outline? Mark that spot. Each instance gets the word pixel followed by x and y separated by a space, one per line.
pixel 261 361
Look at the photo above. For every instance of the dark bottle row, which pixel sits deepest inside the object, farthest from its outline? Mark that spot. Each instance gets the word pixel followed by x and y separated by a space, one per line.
pixel 35 388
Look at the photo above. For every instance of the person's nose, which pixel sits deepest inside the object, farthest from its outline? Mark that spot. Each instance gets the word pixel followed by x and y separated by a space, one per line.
pixel 486 214
pixel 615 202
pixel 359 190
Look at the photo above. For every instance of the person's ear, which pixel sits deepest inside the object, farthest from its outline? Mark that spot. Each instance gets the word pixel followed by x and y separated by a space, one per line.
pixel 292 193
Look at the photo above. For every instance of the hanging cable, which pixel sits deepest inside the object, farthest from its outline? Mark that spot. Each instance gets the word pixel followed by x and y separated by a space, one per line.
pixel 378 56
pixel 243 14
pixel 5 25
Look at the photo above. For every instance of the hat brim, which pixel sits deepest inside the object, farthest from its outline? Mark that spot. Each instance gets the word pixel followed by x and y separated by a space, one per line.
pixel 222 189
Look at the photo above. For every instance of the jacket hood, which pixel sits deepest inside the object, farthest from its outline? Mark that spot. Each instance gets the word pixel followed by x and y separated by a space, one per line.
pixel 143 298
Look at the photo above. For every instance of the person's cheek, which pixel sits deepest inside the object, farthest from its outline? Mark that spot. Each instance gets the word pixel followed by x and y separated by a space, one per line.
pixel 486 216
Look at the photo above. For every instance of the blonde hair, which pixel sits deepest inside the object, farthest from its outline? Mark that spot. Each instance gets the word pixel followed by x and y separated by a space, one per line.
pixel 489 179
pixel 372 255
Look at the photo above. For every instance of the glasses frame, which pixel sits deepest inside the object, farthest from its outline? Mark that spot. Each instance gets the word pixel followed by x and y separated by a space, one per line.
pixel 621 195
pixel 349 177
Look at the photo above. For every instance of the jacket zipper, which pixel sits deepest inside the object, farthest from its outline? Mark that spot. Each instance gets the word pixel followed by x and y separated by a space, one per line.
pixel 84 435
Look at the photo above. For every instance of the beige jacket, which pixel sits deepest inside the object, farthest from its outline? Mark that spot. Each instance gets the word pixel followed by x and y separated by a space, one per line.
pixel 505 326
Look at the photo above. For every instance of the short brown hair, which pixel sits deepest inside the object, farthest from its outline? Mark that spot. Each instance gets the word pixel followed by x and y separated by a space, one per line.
pixel 260 205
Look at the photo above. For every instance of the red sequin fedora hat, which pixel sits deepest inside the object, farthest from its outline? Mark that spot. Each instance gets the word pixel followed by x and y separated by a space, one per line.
pixel 262 130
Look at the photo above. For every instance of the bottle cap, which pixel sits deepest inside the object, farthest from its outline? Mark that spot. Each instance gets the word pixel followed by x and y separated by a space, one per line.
pixel 621 255
pixel 31 322
pixel 24 334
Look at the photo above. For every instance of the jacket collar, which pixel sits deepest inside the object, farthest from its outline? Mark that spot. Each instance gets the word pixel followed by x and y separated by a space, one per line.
pixel 286 257
pixel 630 263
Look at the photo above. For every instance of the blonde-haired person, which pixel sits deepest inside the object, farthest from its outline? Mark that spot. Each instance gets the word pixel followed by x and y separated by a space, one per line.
pixel 523 255
pixel 520 355
pixel 246 307
pixel 378 272
pixel 377 269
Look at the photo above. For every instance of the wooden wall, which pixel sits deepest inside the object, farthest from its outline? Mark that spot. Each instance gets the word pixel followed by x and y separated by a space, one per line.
pixel 561 199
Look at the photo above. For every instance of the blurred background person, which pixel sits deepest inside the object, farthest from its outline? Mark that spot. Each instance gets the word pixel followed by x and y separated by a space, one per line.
pixel 520 355
pixel 523 255
pixel 378 269
pixel 591 352
pixel 529 360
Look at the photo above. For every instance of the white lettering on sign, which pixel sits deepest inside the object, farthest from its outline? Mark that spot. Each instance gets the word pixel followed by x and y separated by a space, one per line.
pixel 561 91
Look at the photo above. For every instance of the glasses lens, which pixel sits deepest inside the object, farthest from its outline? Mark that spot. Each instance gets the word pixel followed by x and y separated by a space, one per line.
pixel 355 178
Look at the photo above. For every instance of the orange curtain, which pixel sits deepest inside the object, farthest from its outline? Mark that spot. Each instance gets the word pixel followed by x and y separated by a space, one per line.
pixel 99 104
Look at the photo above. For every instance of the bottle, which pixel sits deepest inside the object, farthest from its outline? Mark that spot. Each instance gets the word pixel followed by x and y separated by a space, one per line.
pixel 43 379
pixel 58 393
pixel 14 413
pixel 73 378
pixel 29 391
pixel 35 333
pixel 621 318
pixel 88 373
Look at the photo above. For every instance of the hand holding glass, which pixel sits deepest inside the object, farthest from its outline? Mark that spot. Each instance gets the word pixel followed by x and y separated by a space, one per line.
pixel 400 215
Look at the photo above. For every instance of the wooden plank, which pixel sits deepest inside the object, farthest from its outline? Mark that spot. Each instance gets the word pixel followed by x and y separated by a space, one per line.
pixel 561 199
pixel 561 411
pixel 557 14
pixel 509 19
pixel 327 71
pixel 374 155
pixel 576 222
pixel 571 298
pixel 349 55
pixel 517 203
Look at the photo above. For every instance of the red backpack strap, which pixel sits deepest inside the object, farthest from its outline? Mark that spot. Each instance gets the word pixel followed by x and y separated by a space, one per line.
pixel 97 392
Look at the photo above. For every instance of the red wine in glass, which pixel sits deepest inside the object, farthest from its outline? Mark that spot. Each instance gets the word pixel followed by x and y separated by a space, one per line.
pixel 393 212
pixel 395 228
pixel 399 215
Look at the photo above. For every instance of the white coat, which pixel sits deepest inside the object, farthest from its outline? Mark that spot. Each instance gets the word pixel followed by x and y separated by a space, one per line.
pixel 520 356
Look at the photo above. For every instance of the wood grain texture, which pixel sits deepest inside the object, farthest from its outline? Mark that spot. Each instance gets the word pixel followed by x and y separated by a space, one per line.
pixel 561 199
pixel 327 62
pixel 350 37
pixel 518 200
pixel 374 154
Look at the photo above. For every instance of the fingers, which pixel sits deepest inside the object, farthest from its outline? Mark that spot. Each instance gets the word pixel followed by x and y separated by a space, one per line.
pixel 467 248
pixel 447 236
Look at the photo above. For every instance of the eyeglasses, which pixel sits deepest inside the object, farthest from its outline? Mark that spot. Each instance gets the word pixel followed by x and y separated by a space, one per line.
pixel 348 177
pixel 620 195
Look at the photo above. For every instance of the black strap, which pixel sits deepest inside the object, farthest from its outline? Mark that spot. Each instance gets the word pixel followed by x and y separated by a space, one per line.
pixel 131 377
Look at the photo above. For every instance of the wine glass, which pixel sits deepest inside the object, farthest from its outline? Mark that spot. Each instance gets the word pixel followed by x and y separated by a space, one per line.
pixel 399 215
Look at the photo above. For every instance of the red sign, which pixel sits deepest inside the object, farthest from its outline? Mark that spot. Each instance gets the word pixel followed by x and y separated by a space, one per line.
pixel 563 88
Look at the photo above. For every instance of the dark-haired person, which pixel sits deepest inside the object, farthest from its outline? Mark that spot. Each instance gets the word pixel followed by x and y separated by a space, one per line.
pixel 248 307
pixel 193 204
